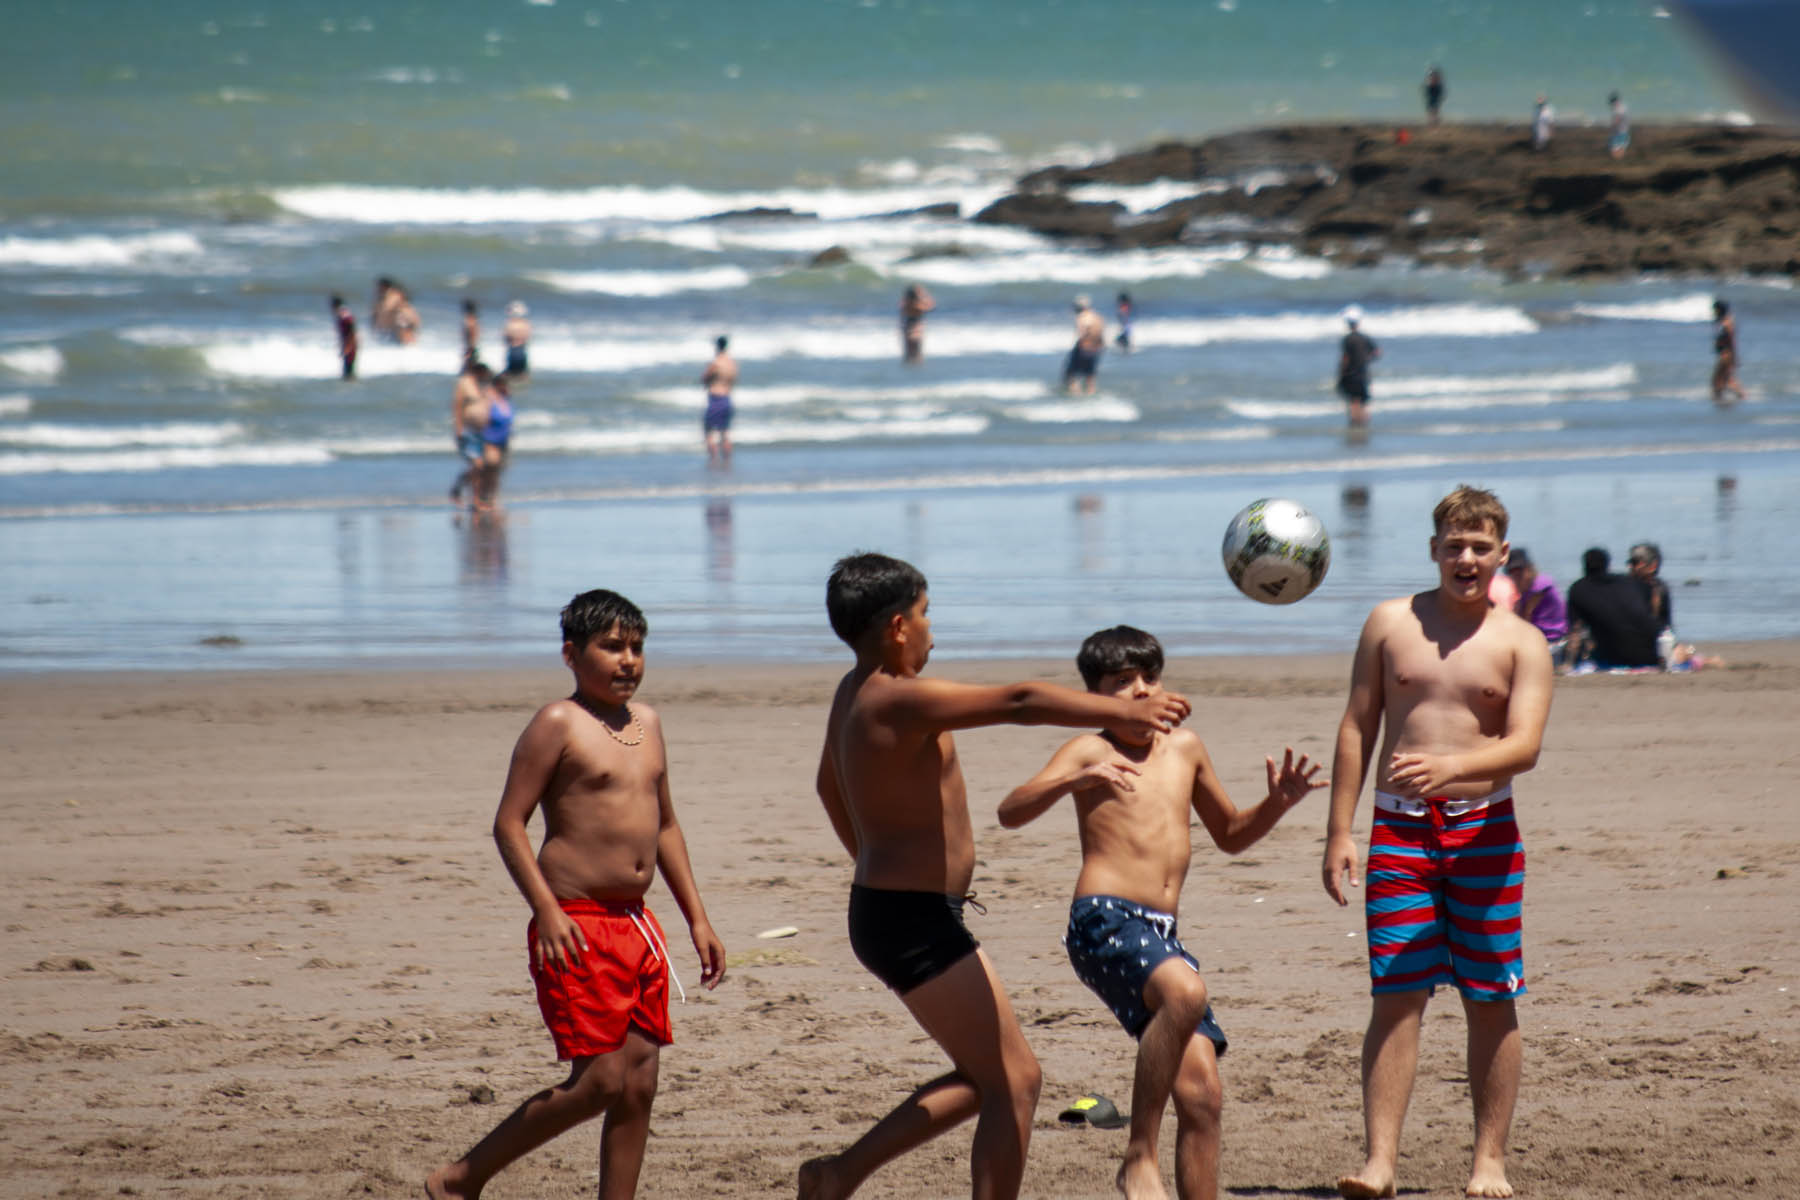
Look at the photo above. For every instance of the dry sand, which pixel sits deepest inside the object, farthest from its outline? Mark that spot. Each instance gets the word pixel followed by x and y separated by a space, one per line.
pixel 259 943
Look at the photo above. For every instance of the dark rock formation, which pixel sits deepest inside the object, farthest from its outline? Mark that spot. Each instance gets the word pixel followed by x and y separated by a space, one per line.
pixel 1690 198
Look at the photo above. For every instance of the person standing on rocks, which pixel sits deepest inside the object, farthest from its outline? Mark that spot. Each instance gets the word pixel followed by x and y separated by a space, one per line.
pixel 1543 124
pixel 1355 354
pixel 1618 135
pixel 1724 376
pixel 1434 94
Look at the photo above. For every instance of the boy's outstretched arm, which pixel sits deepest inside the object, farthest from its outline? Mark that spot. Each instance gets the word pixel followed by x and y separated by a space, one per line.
pixel 678 873
pixel 1355 746
pixel 1082 763
pixel 1235 831
pixel 831 795
pixel 945 704
pixel 534 758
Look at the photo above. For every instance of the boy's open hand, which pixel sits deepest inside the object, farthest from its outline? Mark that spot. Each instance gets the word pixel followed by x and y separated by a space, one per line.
pixel 1290 784
pixel 1415 774
pixel 560 942
pixel 712 955
pixel 1151 715
pixel 1340 866
pixel 1115 775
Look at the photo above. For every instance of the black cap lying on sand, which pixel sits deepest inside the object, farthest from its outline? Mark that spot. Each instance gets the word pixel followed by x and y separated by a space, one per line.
pixel 1097 1111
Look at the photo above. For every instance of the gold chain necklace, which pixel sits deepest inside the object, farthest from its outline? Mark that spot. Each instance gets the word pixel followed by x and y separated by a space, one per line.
pixel 611 732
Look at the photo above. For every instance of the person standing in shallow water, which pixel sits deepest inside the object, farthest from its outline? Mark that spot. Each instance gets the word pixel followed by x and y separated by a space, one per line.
pixel 1355 353
pixel 719 377
pixel 915 302
pixel 346 335
pixel 1724 376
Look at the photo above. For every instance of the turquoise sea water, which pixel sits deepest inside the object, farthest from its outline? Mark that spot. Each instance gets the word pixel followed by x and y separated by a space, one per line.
pixel 188 182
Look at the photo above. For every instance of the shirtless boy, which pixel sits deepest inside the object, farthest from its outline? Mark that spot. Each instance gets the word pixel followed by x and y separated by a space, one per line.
pixel 892 786
pixel 1463 690
pixel 719 377
pixel 1084 356
pixel 1132 799
pixel 595 764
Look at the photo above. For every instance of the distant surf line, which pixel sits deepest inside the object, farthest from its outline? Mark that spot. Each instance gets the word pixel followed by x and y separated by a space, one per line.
pixel 994 481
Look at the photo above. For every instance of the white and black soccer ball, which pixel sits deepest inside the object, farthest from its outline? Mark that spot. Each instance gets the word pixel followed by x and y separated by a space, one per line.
pixel 1276 551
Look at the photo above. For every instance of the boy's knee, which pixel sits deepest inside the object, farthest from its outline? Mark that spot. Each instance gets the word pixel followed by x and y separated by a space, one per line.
pixel 1184 996
pixel 1199 1096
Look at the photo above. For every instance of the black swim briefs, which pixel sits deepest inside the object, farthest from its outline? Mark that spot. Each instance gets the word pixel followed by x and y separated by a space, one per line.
pixel 907 938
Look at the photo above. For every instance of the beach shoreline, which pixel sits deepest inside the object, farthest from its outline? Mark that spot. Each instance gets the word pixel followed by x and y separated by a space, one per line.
pixel 260 942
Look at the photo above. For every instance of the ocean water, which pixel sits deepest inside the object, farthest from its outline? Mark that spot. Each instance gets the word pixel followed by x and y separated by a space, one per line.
pixel 184 482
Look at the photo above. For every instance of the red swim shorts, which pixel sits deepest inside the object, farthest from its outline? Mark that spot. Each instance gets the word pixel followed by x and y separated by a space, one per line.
pixel 621 981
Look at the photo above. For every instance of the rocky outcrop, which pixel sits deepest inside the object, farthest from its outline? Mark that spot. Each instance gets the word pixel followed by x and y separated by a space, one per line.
pixel 1689 198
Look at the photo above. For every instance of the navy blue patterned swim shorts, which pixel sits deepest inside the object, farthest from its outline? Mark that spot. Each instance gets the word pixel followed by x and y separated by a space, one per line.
pixel 1114 944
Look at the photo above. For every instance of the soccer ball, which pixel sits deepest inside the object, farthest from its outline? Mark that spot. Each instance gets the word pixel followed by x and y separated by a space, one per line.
pixel 1276 551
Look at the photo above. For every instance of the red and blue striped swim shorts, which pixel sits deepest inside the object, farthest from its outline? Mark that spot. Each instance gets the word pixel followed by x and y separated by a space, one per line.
pixel 1445 879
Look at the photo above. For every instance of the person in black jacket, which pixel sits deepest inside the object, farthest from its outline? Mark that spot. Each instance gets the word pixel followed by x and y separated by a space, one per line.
pixel 1610 617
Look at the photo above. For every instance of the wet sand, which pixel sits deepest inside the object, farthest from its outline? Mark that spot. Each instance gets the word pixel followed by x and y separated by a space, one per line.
pixel 259 943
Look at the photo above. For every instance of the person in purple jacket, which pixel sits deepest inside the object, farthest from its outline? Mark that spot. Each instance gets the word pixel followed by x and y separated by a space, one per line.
pixel 1540 602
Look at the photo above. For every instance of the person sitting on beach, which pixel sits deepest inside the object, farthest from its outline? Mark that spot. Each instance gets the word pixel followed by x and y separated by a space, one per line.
pixel 1724 376
pixel 596 765
pixel 1084 356
pixel 1645 563
pixel 1459 691
pixel 496 441
pixel 516 333
pixel 719 377
pixel 469 407
pixel 892 787
pixel 1540 602
pixel 915 302
pixel 1611 626
pixel 346 335
pixel 1132 801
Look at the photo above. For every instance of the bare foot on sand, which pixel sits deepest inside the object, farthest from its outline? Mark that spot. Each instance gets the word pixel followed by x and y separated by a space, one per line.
pixel 1488 1182
pixel 1357 1187
pixel 1140 1180
pixel 818 1181
pixel 437 1187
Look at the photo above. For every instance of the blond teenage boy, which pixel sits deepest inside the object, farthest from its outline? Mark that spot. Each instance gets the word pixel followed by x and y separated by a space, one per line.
pixel 1459 691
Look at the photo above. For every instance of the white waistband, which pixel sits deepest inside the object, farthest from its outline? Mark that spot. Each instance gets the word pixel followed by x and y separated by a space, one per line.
pixel 1418 806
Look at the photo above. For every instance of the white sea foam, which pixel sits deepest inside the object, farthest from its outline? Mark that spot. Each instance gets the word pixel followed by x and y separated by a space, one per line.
pixel 17 405
pixel 1065 412
pixel 755 433
pixel 1692 309
pixel 1075 268
pixel 1142 197
pixel 880 241
pixel 475 206
pixel 97 250
pixel 611 348
pixel 58 436
pixel 644 283
pixel 35 362
pixel 1274 410
pixel 171 458
pixel 1443 320
pixel 971 143
pixel 1607 378
pixel 873 398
